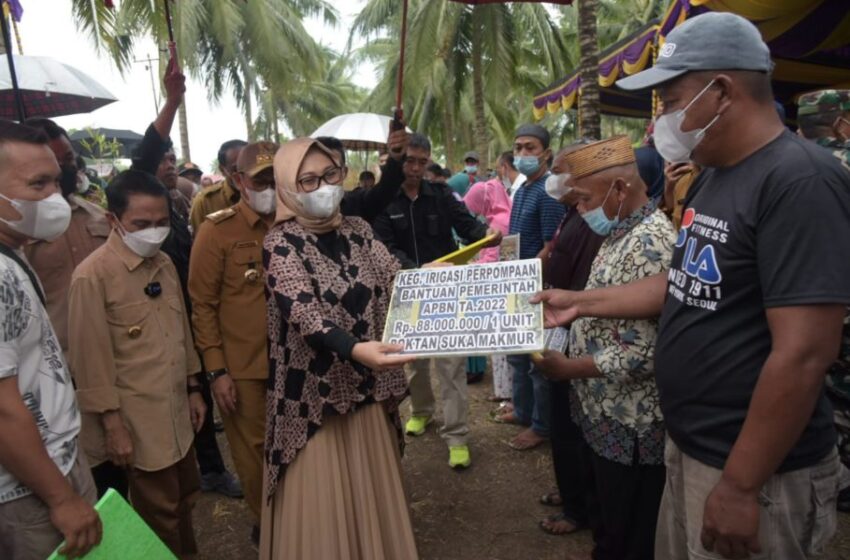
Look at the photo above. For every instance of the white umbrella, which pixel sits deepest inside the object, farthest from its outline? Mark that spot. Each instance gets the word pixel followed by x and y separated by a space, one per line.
pixel 49 88
pixel 358 131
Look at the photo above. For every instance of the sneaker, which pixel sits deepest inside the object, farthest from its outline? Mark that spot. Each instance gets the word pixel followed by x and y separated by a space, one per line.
pixel 459 457
pixel 416 425
pixel 224 483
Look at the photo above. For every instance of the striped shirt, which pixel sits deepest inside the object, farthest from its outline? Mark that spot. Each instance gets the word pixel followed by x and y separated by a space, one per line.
pixel 535 216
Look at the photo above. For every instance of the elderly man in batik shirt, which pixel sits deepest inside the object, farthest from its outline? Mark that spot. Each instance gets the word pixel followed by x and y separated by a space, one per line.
pixel 614 397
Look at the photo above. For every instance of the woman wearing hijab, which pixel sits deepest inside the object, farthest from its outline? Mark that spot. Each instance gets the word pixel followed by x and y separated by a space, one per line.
pixel 490 201
pixel 333 435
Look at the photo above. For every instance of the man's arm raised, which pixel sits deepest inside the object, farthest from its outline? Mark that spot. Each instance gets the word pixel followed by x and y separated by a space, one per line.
pixel 642 299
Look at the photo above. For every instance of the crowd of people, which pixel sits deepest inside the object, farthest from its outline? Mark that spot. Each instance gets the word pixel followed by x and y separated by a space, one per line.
pixel 702 277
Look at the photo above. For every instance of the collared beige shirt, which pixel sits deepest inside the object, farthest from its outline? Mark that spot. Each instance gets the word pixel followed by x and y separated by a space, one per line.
pixel 217 196
pixel 55 261
pixel 132 352
pixel 226 284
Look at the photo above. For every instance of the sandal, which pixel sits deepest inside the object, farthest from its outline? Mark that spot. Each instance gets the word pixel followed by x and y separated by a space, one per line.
pixel 504 414
pixel 552 499
pixel 556 518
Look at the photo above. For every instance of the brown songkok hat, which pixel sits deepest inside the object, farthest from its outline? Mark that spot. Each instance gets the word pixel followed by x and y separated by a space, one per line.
pixel 599 156
pixel 256 157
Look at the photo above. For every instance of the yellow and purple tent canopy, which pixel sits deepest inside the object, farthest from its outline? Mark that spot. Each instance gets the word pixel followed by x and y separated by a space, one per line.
pixel 809 41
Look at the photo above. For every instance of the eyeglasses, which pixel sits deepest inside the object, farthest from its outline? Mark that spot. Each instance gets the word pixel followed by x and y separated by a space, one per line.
pixel 310 183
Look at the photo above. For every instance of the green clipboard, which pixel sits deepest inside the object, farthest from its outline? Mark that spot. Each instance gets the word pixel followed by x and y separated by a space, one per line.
pixel 125 535
pixel 464 255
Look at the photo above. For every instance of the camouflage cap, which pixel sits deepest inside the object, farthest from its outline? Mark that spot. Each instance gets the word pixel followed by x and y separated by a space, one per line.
pixel 825 100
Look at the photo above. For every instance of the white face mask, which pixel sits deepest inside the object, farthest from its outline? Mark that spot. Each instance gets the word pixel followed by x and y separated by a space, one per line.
pixel 556 185
pixel 146 242
pixel 44 219
pixel 263 202
pixel 674 144
pixel 322 202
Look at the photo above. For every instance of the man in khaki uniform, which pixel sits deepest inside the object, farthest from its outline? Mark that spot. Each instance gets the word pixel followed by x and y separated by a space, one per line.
pixel 134 361
pixel 229 312
pixel 221 195
pixel 54 261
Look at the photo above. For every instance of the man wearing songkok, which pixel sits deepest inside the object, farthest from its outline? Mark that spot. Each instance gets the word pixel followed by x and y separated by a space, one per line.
pixel 751 310
pixel 614 398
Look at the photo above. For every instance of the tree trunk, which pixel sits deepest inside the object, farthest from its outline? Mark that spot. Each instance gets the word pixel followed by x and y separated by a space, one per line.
pixel 589 101
pixel 482 138
pixel 249 113
pixel 449 131
pixel 275 125
pixel 184 131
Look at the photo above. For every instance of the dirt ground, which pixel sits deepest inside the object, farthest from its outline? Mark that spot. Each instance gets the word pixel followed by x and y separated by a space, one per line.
pixel 488 512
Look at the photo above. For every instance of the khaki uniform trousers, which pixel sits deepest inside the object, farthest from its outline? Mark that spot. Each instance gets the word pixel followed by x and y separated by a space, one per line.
pixel 246 434
pixel 164 499
pixel 453 392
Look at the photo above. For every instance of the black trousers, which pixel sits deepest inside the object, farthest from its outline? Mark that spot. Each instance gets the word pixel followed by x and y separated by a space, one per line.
pixel 567 441
pixel 206 446
pixel 108 475
pixel 623 507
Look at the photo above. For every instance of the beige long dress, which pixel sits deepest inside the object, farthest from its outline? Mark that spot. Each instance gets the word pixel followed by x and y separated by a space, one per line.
pixel 342 498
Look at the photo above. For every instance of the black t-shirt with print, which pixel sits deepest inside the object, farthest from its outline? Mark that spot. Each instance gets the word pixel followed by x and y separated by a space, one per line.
pixel 772 231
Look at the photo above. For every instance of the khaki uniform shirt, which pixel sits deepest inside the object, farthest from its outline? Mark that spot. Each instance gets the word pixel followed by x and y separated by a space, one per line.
pixel 217 196
pixel 226 284
pixel 132 352
pixel 55 261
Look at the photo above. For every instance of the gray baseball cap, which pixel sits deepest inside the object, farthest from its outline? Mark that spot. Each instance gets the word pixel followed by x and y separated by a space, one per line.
pixel 711 41
pixel 471 155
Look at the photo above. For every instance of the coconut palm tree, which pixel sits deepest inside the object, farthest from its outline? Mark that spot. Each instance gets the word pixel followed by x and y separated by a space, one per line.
pixel 230 46
pixel 465 67
pixel 589 94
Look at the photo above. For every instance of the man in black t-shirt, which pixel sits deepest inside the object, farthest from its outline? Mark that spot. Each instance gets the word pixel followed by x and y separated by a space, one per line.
pixel 751 309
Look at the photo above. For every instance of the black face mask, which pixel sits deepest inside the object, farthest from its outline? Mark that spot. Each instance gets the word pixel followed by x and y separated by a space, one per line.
pixel 68 180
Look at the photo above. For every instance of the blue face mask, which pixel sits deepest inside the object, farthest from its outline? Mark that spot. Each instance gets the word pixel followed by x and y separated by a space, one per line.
pixel 527 165
pixel 471 169
pixel 598 221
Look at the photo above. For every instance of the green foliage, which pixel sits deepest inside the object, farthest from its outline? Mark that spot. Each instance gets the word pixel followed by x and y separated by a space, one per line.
pixel 521 49
pixel 101 148
pixel 616 20
pixel 260 52
pixel 257 50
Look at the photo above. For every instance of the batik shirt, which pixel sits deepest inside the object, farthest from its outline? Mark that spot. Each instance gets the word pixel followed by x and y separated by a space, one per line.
pixel 325 293
pixel 619 412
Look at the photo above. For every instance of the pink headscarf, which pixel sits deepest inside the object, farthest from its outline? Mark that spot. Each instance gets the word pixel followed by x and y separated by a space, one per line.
pixel 491 201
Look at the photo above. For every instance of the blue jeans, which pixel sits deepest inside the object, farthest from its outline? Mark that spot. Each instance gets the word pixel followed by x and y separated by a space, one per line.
pixel 532 402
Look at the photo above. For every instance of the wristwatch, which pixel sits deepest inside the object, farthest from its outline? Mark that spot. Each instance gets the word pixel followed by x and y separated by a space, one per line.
pixel 215 374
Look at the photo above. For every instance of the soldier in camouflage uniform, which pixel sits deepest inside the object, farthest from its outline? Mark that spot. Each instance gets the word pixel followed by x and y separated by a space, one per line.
pixel 824 117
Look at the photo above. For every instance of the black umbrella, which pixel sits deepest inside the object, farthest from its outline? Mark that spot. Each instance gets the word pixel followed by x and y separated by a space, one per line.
pixel 85 142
